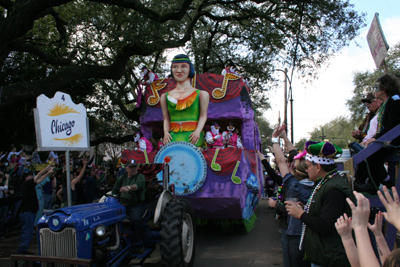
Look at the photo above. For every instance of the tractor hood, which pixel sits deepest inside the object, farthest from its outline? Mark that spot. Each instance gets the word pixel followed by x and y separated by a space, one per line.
pixel 86 216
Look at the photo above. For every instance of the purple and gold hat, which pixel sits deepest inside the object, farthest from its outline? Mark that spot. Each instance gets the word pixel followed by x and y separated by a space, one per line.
pixel 322 152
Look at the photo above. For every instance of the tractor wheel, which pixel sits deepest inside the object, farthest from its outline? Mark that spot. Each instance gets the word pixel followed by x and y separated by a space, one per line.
pixel 177 246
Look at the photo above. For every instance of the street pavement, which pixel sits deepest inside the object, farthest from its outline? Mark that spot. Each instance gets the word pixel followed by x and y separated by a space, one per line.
pixel 261 247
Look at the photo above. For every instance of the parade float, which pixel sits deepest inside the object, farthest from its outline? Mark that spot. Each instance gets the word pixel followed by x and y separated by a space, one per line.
pixel 223 185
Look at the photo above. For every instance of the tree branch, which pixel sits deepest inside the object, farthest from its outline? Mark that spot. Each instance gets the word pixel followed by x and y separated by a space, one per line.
pixel 25 47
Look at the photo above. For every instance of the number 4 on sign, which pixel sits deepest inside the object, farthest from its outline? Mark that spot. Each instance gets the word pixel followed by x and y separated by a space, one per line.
pixel 63 97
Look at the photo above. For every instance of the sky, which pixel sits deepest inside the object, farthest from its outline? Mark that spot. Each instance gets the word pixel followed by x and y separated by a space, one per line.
pixel 325 99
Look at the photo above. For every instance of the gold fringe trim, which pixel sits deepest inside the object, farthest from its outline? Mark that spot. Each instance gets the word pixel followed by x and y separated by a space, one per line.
pixel 186 126
pixel 187 102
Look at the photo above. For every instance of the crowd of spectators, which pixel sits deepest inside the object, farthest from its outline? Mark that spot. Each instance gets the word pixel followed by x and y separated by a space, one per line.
pixel 31 183
pixel 323 221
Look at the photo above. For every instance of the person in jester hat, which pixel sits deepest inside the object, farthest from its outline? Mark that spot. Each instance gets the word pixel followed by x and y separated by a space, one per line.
pixel 184 108
pixel 320 241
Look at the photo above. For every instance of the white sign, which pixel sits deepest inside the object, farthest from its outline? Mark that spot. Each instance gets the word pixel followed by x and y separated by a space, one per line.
pixel 61 124
pixel 377 42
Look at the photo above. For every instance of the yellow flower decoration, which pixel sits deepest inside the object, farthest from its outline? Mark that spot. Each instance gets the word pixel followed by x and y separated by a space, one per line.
pixel 70 141
pixel 60 109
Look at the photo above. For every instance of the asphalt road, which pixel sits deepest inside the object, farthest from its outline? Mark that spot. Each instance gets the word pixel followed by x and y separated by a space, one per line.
pixel 260 247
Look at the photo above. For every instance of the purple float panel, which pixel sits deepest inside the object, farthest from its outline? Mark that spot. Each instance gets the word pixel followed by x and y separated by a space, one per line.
pixel 220 198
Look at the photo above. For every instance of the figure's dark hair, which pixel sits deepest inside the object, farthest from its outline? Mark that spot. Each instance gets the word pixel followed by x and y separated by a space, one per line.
pixel 390 84
pixel 182 58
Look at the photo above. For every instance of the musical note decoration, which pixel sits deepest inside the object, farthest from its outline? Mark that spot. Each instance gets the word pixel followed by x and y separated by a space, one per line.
pixel 219 93
pixel 236 179
pixel 155 87
pixel 215 166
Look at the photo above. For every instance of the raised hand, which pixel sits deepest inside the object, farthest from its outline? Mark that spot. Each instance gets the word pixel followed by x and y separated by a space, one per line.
pixel 343 227
pixel 260 155
pixel 360 212
pixel 392 205
pixel 279 130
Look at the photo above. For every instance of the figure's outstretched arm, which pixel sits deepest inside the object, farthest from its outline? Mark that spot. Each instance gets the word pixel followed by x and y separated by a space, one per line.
pixel 204 101
pixel 166 121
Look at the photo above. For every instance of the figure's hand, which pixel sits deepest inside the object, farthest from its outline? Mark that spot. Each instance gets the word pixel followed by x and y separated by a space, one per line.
pixel 360 213
pixel 343 227
pixel 85 161
pixel 279 130
pixel 272 202
pixel 260 155
pixel 369 141
pixel 376 228
pixel 218 136
pixel 194 137
pixel 392 214
pixel 167 138
pixel 294 209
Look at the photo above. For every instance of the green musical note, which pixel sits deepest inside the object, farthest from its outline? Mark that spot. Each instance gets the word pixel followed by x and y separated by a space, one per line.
pixel 145 156
pixel 215 166
pixel 236 179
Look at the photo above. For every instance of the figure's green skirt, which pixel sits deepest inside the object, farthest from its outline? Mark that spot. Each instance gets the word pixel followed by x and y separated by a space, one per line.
pixel 184 136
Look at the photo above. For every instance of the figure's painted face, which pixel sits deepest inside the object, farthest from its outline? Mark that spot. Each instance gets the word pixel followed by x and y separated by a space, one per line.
pixel 215 129
pixel 145 71
pixel 180 71
pixel 136 137
pixel 230 128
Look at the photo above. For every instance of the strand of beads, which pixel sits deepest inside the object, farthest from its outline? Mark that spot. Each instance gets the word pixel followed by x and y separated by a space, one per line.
pixel 307 207
pixel 279 196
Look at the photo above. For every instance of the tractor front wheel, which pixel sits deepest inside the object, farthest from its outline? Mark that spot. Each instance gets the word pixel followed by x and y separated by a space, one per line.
pixel 177 245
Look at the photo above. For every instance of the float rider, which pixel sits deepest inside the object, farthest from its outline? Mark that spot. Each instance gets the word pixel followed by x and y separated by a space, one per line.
pixel 214 138
pixel 142 142
pixel 148 77
pixel 231 137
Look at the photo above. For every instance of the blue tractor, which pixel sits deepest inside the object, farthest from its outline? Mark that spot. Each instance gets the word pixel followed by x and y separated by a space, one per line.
pixel 101 234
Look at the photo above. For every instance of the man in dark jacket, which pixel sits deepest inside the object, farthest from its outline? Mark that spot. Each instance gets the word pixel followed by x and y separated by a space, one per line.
pixel 320 240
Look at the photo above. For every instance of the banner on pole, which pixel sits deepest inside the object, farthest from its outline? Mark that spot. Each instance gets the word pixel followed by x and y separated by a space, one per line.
pixel 61 124
pixel 377 41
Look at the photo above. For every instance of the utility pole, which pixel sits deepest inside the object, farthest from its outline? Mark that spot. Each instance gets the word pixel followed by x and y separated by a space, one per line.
pixel 323 134
pixel 285 102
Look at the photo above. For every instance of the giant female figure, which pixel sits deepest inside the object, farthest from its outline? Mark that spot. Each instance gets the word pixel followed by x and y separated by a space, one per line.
pixel 184 108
